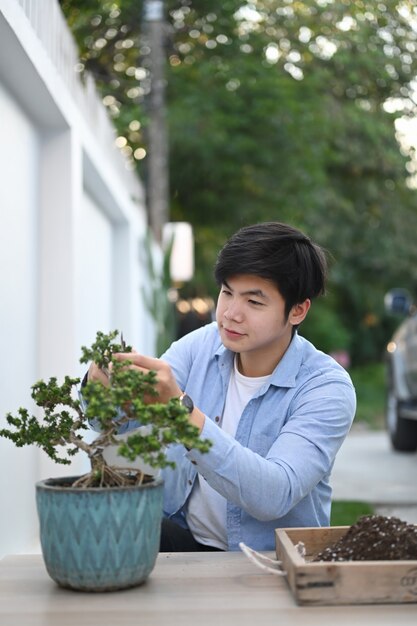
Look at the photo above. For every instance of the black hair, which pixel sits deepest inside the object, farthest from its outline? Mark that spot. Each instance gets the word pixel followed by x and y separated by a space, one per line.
pixel 279 253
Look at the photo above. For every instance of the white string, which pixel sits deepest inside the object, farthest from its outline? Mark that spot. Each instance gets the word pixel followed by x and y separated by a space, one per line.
pixel 301 549
pixel 257 558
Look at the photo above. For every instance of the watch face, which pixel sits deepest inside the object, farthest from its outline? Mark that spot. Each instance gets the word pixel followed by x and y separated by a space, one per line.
pixel 187 403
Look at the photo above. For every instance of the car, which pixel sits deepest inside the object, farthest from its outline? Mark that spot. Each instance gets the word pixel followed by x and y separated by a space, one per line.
pixel 401 368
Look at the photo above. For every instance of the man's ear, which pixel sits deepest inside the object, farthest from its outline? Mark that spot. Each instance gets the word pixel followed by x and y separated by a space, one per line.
pixel 298 312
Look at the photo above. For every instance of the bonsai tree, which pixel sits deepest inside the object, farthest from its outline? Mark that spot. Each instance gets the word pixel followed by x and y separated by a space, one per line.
pixel 66 415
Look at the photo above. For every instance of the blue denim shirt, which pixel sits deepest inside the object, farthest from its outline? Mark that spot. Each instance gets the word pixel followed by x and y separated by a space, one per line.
pixel 275 471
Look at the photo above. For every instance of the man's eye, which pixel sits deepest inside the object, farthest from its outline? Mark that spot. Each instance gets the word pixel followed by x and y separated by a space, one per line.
pixel 226 292
pixel 256 302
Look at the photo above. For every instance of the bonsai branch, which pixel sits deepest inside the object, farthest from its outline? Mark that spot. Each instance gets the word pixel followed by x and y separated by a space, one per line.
pixel 127 398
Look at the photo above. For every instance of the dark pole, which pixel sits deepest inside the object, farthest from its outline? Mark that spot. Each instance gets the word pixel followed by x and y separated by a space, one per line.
pixel 158 177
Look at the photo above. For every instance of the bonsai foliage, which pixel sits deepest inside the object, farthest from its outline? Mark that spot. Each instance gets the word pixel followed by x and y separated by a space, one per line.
pixel 129 395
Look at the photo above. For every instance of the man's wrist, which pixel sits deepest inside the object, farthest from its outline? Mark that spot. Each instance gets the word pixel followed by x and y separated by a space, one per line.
pixel 187 402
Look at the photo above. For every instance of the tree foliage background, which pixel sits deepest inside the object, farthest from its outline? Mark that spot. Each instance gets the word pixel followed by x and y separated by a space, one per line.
pixel 278 110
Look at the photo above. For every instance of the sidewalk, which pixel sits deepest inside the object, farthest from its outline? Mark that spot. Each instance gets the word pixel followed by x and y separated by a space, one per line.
pixel 367 469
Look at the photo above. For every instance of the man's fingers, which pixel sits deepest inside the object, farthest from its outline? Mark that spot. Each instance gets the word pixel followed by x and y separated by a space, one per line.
pixel 96 374
pixel 140 361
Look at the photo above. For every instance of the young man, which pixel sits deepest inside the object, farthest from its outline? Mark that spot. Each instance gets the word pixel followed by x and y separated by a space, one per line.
pixel 275 408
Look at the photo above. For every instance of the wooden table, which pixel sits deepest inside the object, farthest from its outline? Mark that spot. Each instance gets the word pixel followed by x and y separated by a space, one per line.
pixel 198 589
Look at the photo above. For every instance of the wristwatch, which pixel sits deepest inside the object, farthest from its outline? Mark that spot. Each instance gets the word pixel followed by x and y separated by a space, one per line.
pixel 187 402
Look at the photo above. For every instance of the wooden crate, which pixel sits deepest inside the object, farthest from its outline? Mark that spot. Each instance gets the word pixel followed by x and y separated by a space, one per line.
pixel 348 582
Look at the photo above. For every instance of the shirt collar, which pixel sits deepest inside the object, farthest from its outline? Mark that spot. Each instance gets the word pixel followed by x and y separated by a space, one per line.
pixel 285 373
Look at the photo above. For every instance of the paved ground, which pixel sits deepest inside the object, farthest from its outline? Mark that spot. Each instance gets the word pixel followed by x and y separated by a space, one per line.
pixel 368 470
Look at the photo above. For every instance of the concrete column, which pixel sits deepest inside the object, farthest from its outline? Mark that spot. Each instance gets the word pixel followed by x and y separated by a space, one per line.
pixel 60 202
pixel 61 181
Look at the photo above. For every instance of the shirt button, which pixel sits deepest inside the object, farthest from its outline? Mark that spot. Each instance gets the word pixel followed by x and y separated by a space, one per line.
pixel 217 419
pixel 190 482
pixel 194 462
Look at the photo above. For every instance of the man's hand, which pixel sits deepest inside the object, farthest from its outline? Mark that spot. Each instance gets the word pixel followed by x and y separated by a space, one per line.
pixel 166 386
pixel 97 375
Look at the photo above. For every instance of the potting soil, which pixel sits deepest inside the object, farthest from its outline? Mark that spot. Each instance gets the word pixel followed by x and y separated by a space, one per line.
pixel 374 538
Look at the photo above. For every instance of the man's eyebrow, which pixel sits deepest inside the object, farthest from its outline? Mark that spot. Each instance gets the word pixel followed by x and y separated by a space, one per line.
pixel 250 292
pixel 254 292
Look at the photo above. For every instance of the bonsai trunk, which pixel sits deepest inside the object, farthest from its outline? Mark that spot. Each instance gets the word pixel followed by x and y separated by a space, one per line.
pixel 101 473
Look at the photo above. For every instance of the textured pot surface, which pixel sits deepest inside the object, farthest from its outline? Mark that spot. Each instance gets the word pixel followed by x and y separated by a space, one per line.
pixel 99 539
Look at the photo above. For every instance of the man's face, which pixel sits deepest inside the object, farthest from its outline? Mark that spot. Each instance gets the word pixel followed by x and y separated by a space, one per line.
pixel 251 318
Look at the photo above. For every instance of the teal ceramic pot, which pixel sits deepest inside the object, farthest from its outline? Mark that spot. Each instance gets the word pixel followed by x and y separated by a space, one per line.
pixel 99 539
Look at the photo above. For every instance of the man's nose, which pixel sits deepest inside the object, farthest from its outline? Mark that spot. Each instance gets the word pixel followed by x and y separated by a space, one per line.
pixel 233 312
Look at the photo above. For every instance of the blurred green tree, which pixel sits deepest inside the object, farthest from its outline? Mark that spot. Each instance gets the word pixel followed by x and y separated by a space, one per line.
pixel 278 109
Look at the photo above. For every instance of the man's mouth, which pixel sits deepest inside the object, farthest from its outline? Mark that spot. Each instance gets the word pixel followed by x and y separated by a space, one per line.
pixel 232 333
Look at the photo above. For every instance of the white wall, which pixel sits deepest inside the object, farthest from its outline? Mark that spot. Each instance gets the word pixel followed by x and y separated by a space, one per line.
pixel 95 251
pixel 19 157
pixel 72 220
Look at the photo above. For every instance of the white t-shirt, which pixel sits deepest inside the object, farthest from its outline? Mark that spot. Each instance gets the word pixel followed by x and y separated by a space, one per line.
pixel 206 512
